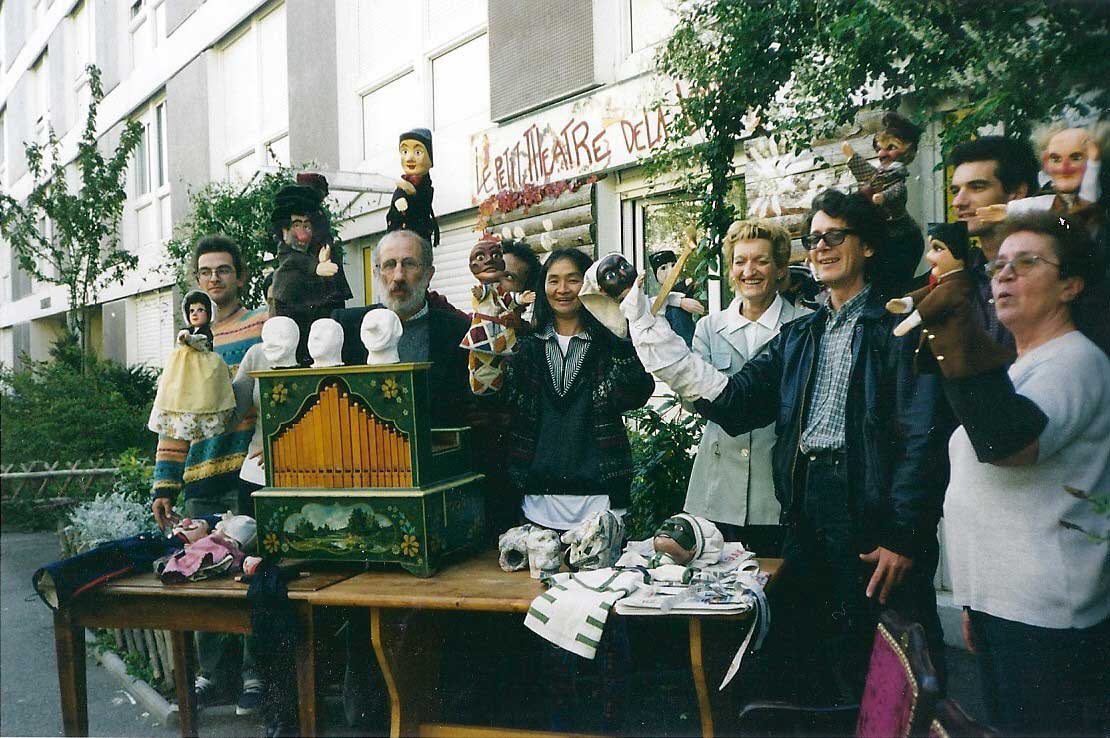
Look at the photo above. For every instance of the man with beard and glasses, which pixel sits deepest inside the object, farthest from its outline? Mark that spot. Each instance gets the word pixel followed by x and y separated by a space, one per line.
pixel 433 328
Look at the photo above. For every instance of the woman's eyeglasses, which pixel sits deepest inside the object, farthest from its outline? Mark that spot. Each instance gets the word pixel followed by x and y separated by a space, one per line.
pixel 1022 264
pixel 832 237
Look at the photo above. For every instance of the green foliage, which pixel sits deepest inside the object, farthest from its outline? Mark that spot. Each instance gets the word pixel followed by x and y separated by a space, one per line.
pixel 82 253
pixel 802 69
pixel 52 412
pixel 663 440
pixel 242 213
pixel 133 479
pixel 1100 505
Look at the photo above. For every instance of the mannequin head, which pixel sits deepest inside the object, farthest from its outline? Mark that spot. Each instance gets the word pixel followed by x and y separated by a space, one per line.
pixel 380 332
pixel 325 342
pixel 280 336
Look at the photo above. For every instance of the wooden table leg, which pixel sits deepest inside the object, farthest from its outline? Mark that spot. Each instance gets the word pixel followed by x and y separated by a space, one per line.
pixel 306 671
pixel 184 673
pixel 701 687
pixel 409 648
pixel 69 645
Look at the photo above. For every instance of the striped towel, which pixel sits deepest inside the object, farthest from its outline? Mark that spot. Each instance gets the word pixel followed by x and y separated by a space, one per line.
pixel 572 612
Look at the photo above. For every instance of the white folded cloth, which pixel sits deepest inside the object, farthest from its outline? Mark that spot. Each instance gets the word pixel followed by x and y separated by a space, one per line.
pixel 572 612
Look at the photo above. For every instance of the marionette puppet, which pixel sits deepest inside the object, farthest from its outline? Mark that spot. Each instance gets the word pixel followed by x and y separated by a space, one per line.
pixel 681 304
pixel 207 555
pixel 308 284
pixel 1072 159
pixel 195 399
pixel 496 317
pixel 952 340
pixel 885 185
pixel 411 205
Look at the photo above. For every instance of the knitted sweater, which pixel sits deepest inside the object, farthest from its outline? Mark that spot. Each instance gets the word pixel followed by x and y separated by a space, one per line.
pixel 210 467
pixel 616 383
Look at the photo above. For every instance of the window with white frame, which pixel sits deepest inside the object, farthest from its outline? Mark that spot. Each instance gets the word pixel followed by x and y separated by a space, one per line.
pixel 79 46
pixel 146 29
pixel 39 103
pixel 253 97
pixel 150 195
pixel 3 146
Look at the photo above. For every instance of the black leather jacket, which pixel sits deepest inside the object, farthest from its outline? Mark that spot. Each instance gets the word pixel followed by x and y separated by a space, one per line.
pixel 896 432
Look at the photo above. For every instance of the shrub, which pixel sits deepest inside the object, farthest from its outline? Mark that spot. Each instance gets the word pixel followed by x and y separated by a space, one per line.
pixel 52 412
pixel 106 518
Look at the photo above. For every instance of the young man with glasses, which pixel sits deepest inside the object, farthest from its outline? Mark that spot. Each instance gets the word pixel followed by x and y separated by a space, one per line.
pixel 859 466
pixel 990 170
pixel 207 471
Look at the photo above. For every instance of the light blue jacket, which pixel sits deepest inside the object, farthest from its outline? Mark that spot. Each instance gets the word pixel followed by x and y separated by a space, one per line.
pixel 731 481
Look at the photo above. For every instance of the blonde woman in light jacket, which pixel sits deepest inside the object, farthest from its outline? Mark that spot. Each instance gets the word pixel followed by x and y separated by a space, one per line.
pixel 731 481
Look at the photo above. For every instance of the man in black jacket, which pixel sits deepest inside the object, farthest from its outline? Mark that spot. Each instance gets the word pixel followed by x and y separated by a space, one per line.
pixel 860 464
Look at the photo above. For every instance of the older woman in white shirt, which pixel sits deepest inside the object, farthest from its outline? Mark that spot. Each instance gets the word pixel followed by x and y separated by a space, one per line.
pixel 1036 591
pixel 731 481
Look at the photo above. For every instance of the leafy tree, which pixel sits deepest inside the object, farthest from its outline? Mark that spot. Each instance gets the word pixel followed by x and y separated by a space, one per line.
pixel 83 253
pixel 663 441
pixel 242 213
pixel 800 70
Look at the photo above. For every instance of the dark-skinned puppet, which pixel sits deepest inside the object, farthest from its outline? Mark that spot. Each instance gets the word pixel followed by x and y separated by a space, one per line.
pixel 681 304
pixel 491 339
pixel 411 205
pixel 309 282
pixel 896 147
pixel 194 398
pixel 952 340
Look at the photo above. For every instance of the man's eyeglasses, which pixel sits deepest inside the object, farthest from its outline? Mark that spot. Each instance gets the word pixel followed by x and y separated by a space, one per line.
pixel 390 265
pixel 1022 264
pixel 832 237
pixel 223 272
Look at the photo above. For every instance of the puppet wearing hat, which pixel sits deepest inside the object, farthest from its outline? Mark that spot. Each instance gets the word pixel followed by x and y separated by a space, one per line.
pixel 194 398
pixel 492 335
pixel 952 340
pixel 308 284
pixel 885 185
pixel 680 303
pixel 411 205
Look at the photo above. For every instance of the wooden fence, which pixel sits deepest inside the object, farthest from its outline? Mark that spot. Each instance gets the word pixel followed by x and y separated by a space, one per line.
pixel 55 484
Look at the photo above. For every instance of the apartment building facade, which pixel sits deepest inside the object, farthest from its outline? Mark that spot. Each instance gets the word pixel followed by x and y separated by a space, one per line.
pixel 517 94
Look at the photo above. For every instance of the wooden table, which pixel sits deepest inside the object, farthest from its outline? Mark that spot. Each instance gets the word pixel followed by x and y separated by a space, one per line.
pixel 142 601
pixel 409 652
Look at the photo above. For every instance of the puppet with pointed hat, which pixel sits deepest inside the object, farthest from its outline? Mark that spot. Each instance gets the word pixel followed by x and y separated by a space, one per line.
pixel 411 205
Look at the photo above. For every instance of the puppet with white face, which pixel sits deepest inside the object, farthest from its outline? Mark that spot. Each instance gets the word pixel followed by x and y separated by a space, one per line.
pixel 194 399
pixel 952 339
pixel 1071 158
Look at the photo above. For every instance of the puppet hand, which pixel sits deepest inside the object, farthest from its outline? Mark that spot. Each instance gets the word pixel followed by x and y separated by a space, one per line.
pixel 992 213
pixel 899 305
pixel 527 297
pixel 402 204
pixel 890 571
pixel 327 269
pixel 1093 151
pixel 847 150
pixel 878 198
pixel 405 185
pixel 692 306
pixel 908 324
pixel 183 337
pixel 479 291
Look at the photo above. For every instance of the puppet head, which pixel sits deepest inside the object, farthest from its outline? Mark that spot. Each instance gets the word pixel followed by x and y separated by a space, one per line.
pixel 280 336
pixel 190 531
pixel 487 260
pixel 897 141
pixel 662 262
pixel 684 539
pixel 198 309
pixel 1064 159
pixel 296 207
pixel 325 343
pixel 948 247
pixel 615 275
pixel 381 332
pixel 595 543
pixel 415 148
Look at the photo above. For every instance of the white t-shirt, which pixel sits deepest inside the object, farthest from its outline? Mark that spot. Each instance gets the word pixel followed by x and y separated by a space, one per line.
pixel 1007 552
